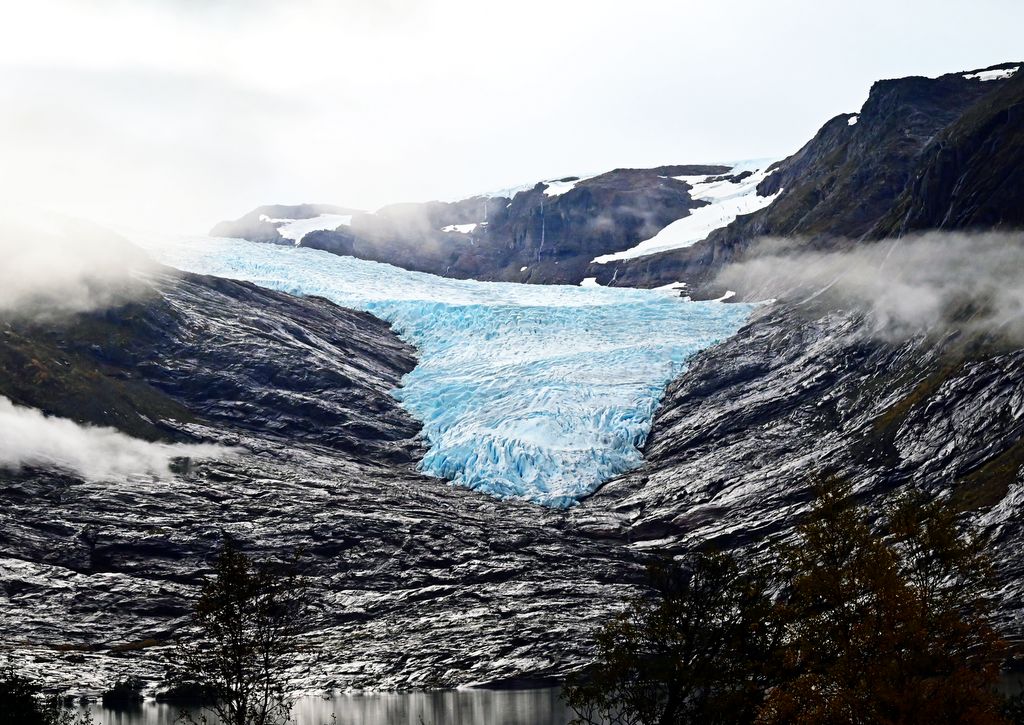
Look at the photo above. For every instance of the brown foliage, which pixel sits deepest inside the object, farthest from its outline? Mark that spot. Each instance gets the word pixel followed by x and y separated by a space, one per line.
pixel 691 650
pixel 875 620
pixel 886 624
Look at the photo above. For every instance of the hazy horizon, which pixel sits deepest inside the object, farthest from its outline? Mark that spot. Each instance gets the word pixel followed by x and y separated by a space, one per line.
pixel 172 114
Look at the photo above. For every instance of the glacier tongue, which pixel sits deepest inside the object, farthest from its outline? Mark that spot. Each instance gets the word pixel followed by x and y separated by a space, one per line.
pixel 526 391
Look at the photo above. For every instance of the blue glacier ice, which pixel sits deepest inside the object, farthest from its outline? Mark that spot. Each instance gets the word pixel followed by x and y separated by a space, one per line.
pixel 525 391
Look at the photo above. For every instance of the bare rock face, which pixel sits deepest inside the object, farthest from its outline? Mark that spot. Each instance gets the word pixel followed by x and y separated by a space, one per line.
pixel 417 583
pixel 923 153
pixel 546 234
pixel 805 391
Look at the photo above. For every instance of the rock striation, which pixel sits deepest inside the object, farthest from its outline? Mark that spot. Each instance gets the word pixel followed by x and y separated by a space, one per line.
pixel 417 583
pixel 806 390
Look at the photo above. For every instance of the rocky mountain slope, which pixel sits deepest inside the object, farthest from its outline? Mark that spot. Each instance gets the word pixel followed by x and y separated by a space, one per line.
pixel 922 153
pixel 811 387
pixel 807 390
pixel 418 583
pixel 548 233
pixel 204 349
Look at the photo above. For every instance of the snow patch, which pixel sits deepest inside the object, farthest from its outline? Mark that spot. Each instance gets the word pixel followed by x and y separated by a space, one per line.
pixel 654 543
pixel 672 286
pixel 997 74
pixel 508 192
pixel 460 228
pixel 554 188
pixel 296 229
pixel 852 120
pixel 557 188
pixel 535 392
pixel 589 282
pixel 727 200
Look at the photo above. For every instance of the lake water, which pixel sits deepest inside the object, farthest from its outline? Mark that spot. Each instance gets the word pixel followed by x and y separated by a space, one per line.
pixel 458 707
pixel 446 707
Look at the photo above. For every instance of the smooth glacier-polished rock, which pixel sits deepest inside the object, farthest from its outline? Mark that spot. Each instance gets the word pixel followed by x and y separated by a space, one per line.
pixel 417 583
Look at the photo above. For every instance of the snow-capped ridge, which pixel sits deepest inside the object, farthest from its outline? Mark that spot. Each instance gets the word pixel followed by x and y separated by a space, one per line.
pixel 728 197
pixel 992 74
pixel 557 187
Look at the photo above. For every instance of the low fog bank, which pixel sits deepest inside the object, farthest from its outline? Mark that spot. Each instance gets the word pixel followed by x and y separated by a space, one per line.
pixel 52 266
pixel 55 265
pixel 29 438
pixel 927 282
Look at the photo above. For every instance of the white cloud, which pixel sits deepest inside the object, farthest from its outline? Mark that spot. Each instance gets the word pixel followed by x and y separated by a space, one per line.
pixel 174 114
pixel 53 265
pixel 28 438
pixel 929 282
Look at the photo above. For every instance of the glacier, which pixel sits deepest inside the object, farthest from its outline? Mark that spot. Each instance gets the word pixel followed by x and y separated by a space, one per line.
pixel 524 391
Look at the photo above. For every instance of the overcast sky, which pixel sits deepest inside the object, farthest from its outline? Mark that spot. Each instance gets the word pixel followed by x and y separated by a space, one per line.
pixel 173 114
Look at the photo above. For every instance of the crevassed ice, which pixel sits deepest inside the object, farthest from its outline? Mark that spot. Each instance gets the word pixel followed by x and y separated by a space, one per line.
pixel 525 391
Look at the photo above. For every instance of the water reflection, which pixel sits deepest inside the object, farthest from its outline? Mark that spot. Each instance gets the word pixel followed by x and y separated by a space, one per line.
pixel 463 707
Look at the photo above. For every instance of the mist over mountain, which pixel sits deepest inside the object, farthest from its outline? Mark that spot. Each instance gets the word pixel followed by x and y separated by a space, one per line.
pixel 931 282
pixel 479 419
pixel 922 153
pixel 57 265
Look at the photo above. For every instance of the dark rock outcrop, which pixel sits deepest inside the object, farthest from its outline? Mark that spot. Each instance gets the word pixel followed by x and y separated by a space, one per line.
pixel 533 236
pixel 805 391
pixel 923 153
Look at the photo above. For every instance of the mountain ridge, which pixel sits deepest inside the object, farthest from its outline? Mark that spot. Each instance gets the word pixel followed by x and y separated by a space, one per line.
pixel 849 182
pixel 428 585
pixel 900 164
